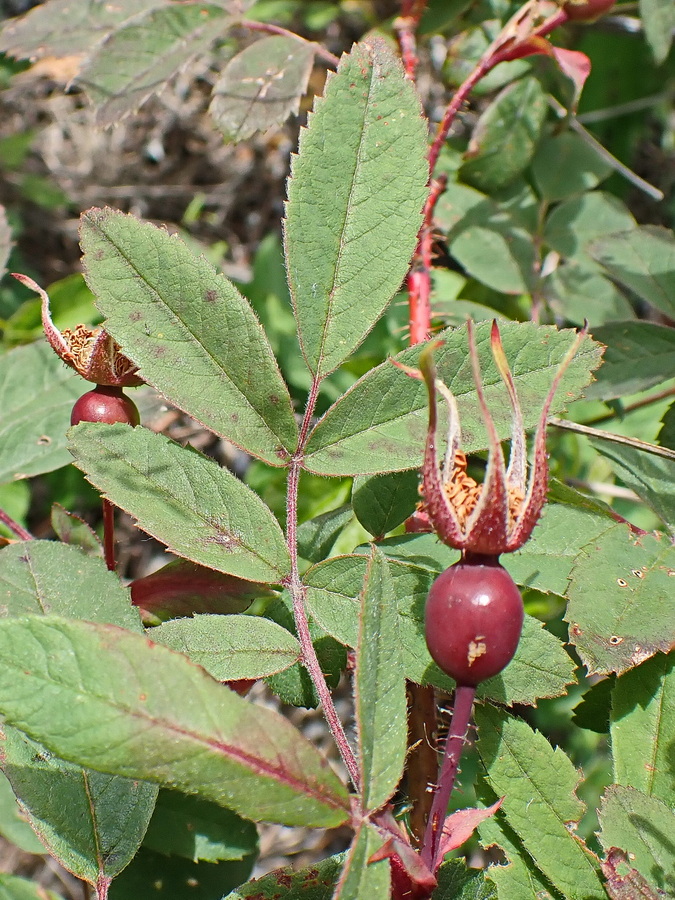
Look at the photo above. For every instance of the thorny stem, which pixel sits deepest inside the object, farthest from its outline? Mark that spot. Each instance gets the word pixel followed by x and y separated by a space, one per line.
pixel 297 591
pixel 405 27
pixel 269 28
pixel 109 533
pixel 18 530
pixel 461 714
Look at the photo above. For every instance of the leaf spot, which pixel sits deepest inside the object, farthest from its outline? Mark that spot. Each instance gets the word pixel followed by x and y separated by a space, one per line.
pixel 638 573
pixel 135 316
pixel 44 440
pixel 211 296
pixel 615 640
pixel 621 582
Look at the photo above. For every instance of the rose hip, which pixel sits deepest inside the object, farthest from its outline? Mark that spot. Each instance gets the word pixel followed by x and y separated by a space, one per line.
pixel 105 404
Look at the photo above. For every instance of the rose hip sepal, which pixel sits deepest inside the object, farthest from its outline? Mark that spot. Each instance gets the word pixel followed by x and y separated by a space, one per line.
pixel 90 351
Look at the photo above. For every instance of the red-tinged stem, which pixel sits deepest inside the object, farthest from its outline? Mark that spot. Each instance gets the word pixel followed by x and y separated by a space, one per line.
pixel 406 27
pixel 102 886
pixel 431 848
pixel 269 28
pixel 18 530
pixel 419 278
pixel 297 590
pixel 109 534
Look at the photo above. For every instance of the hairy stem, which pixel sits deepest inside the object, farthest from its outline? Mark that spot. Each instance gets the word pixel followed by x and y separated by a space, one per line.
pixel 18 530
pixel 432 846
pixel 109 533
pixel 297 591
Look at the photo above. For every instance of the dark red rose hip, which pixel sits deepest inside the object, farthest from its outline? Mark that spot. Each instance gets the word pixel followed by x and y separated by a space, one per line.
pixel 473 619
pixel 105 404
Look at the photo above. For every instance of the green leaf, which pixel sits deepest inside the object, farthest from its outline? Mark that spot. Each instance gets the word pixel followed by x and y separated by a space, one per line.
pixel 380 424
pixel 651 477
pixel 620 610
pixel 73 530
pixel 639 355
pixel 519 879
pixel 642 728
pixel 576 222
pixel 198 830
pixel 658 21
pixel 314 883
pixel 92 823
pixel 538 784
pixel 360 878
pixel 667 432
pixel 176 316
pixel 565 164
pixel 643 260
pixel 136 60
pixel 593 711
pixel 37 396
pixel 381 502
pixel 15 500
pixel 316 536
pixel 569 289
pixel 14 888
pixel 231 647
pixel 457 882
pixel 13 825
pixel 199 510
pixel 355 195
pixel 49 577
pixel 505 137
pixel 379 687
pixel 261 86
pixel 643 827
pixel 67 27
pixel 123 700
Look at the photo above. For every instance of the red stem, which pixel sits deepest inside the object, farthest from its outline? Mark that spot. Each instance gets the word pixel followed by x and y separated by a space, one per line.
pixel 464 696
pixel 18 530
pixel 269 28
pixel 109 533
pixel 297 590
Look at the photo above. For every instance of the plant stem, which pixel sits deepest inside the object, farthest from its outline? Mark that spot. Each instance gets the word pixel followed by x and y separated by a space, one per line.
pixel 269 28
pixel 431 848
pixel 18 530
pixel 108 533
pixel 297 590
pixel 422 762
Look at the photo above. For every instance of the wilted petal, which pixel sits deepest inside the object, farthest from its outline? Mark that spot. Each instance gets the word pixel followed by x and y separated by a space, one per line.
pixel 516 474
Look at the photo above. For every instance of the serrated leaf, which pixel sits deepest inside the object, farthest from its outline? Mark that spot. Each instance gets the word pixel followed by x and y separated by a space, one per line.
pixel 642 728
pixel 73 530
pixel 457 882
pixel 639 355
pixel 136 60
pixel 52 578
pixel 570 288
pixel 198 830
pixel 5 240
pixel 620 610
pixel 317 535
pixel 538 784
pixel 379 687
pixel 314 883
pixel 505 136
pixel 361 878
pixel 92 823
pixel 593 711
pixel 13 825
pixel 566 164
pixel 199 510
pixel 354 206
pixel 381 502
pixel 642 259
pixel 379 425
pixel 658 21
pixel 184 324
pixel 261 86
pixel 519 878
pixel 643 827
pixel 231 647
pixel 14 888
pixel 123 700
pixel 37 394
pixel 651 477
pixel 574 223
pixel 67 27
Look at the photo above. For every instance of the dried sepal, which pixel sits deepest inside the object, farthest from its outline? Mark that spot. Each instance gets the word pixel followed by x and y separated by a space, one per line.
pixel 91 351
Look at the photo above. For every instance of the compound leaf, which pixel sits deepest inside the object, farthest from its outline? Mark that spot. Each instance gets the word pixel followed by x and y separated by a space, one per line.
pixel 639 355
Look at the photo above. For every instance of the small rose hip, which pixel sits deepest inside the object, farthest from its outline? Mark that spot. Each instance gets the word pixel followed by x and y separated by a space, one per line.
pixel 105 404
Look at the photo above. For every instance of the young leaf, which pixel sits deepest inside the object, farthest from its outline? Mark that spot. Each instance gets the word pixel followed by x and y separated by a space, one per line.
pixel 188 502
pixel 261 86
pixel 14 888
pixel 361 878
pixel 137 59
pixel 639 355
pixel 382 502
pixel 92 823
pixel 231 647
pixel 314 883
pixel 620 610
pixel 379 424
pixel 643 827
pixel 538 784
pixel 642 728
pixel 317 535
pixel 184 323
pixel 36 399
pixel 379 687
pixel 49 577
pixel 642 259
pixel 65 27
pixel 355 196
pixel 138 709
pixel 73 530
pixel 198 830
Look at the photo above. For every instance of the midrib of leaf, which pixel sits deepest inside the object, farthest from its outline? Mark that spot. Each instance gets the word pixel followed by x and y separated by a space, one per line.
pixel 343 242
pixel 94 823
pixel 175 315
